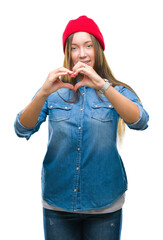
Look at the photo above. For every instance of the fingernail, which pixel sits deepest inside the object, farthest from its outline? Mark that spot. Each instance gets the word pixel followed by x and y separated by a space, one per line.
pixel 73 76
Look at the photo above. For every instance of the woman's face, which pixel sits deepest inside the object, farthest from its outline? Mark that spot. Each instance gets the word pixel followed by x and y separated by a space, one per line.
pixel 82 49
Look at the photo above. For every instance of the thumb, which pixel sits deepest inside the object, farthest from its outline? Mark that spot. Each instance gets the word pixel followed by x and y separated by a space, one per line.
pixel 78 85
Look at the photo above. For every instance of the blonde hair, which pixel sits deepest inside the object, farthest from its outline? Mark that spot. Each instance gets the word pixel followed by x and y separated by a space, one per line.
pixel 101 67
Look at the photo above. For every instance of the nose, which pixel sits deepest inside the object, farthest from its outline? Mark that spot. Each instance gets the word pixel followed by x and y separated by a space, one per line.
pixel 82 52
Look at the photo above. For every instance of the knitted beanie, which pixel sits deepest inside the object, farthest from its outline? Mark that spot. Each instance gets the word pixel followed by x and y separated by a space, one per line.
pixel 83 24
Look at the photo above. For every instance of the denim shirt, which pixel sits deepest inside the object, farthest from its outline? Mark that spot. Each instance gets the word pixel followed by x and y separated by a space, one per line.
pixel 82 169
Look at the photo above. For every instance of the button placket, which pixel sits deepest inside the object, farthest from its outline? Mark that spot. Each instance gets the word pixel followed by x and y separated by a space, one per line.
pixel 78 158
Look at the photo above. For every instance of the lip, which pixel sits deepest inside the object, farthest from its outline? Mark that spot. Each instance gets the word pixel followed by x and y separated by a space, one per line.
pixel 86 62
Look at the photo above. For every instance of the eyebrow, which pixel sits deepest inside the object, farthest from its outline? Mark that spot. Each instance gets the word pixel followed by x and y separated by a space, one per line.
pixel 84 42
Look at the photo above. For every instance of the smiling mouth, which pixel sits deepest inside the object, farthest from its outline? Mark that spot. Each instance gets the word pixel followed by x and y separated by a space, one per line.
pixel 86 62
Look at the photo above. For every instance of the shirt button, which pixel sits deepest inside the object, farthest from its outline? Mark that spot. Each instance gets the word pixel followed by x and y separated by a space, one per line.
pixel 79 128
pixel 51 106
pixel 110 106
pixel 81 109
pixel 77 169
pixel 83 93
pixel 65 107
pixel 74 190
pixel 78 149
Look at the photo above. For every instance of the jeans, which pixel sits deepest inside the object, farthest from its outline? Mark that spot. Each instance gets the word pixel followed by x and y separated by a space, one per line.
pixel 74 226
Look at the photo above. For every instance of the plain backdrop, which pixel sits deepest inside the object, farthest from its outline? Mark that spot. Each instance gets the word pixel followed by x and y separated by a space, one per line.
pixel 31 47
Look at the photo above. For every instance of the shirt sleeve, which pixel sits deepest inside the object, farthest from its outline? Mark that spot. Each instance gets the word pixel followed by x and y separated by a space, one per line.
pixel 25 132
pixel 142 123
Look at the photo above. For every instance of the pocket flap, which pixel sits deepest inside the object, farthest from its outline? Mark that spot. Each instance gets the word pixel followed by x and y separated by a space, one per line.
pixel 52 105
pixel 102 105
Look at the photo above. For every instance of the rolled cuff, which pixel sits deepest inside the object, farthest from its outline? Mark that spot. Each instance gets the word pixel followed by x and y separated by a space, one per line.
pixel 141 124
pixel 22 131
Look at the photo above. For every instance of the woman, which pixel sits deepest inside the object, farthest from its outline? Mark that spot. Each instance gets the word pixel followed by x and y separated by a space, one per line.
pixel 83 177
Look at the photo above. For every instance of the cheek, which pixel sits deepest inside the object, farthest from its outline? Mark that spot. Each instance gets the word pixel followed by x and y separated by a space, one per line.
pixel 74 57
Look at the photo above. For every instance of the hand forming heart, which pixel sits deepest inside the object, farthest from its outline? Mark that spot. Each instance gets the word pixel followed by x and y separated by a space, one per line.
pixel 90 79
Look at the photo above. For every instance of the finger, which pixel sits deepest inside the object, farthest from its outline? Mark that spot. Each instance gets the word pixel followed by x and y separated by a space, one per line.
pixel 64 85
pixel 79 65
pixel 58 75
pixel 76 67
pixel 68 85
pixel 65 71
pixel 81 70
pixel 72 75
pixel 78 85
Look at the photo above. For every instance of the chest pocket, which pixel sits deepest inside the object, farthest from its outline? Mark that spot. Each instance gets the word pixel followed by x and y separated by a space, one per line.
pixel 59 111
pixel 102 112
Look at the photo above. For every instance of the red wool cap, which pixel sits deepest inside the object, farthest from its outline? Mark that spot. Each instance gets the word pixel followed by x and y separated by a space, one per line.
pixel 83 24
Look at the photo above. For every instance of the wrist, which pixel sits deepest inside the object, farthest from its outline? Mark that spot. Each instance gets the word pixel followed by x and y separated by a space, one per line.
pixel 101 83
pixel 106 85
pixel 43 94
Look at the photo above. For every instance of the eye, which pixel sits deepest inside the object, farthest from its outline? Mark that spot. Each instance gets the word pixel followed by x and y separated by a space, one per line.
pixel 89 45
pixel 73 48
